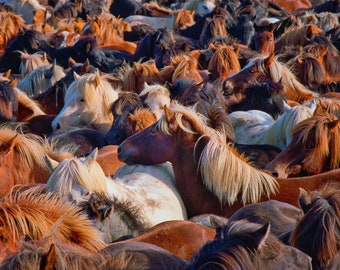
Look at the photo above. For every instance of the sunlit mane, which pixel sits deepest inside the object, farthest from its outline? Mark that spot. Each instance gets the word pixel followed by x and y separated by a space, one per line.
pixel 154 90
pixel 43 77
pixel 293 89
pixel 30 62
pixel 34 214
pixel 326 136
pixel 71 171
pixel 224 172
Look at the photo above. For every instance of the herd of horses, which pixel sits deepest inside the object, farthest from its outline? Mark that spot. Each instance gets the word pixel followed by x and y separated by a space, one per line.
pixel 197 134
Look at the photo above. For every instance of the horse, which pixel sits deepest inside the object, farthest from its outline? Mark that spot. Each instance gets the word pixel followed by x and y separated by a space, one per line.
pixel 51 253
pixel 52 99
pixel 8 102
pixel 263 40
pixel 86 104
pixel 26 8
pixel 200 7
pixel 317 232
pixel 41 78
pixel 291 6
pixel 155 97
pixel 23 159
pixel 179 19
pixel 129 191
pixel 181 237
pixel 257 127
pixel 267 67
pixel 266 96
pixel 11 25
pixel 313 148
pixel 223 62
pixel 123 9
pixel 31 212
pixel 244 245
pixel 126 103
pixel 213 171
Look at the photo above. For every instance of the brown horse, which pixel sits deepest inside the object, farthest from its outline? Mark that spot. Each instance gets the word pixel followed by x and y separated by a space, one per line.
pixel 264 40
pixel 267 68
pixel 313 149
pixel 206 167
pixel 181 237
pixel 22 159
pixel 318 232
pixel 35 214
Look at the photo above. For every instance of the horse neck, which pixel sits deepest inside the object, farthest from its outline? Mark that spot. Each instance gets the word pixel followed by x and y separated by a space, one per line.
pixel 190 184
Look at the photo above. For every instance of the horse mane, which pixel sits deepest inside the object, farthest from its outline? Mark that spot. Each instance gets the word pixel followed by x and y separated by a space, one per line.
pixel 185 66
pixel 224 60
pixel 326 136
pixel 124 98
pixel 183 19
pixel 27 102
pixel 38 215
pixel 322 217
pixel 90 86
pixel 308 69
pixel 154 90
pixel 30 62
pixel 278 72
pixel 193 4
pixel 141 118
pixel 33 252
pixel 36 81
pixel 156 10
pixel 236 246
pixel 71 170
pixel 225 172
pixel 11 25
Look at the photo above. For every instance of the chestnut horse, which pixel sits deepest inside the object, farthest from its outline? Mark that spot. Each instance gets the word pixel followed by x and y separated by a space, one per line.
pixel 35 214
pixel 313 148
pixel 267 68
pixel 206 167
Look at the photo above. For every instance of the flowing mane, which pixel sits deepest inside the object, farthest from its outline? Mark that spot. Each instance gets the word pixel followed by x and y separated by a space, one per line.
pixel 225 172
pixel 317 233
pixel 38 215
pixel 326 133
pixel 30 62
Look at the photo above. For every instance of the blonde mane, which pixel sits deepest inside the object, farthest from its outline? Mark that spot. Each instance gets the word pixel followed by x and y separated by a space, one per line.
pixel 35 214
pixel 36 82
pixel 155 90
pixel 224 172
pixel 30 62
pixel 74 170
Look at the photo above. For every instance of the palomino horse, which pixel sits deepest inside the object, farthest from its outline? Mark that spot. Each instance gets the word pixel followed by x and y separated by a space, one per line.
pixel 257 127
pixel 268 68
pixel 145 194
pixel 87 103
pixel 22 159
pixel 35 214
pixel 206 167
pixel 317 233
pixel 244 245
pixel 313 148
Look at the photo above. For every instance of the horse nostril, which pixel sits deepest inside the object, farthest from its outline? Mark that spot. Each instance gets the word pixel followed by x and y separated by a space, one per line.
pixel 274 174
pixel 58 126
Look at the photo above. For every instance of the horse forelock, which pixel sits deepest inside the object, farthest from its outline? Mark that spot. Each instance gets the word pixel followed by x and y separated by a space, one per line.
pixel 224 59
pixel 124 99
pixel 322 219
pixel 73 171
pixel 325 139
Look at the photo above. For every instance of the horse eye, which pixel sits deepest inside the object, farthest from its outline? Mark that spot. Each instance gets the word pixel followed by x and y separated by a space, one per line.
pixel 252 71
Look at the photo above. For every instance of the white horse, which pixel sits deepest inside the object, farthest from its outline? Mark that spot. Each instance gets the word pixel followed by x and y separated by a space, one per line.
pixel 139 196
pixel 87 104
pixel 257 127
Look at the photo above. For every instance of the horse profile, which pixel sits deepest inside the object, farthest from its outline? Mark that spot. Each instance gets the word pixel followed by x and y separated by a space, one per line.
pixel 213 171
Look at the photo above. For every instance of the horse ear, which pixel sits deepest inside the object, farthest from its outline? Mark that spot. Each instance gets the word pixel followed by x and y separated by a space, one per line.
pixel 44 57
pixel 300 61
pixel 212 47
pixel 309 32
pixel 96 80
pixel 51 163
pixel 304 200
pixel 7 74
pixel 14 82
pixel 333 124
pixel 262 234
pixel 48 261
pixel 318 110
pixel 92 157
pixel 169 114
pixel 237 49
pixel 75 75
pixel 85 68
